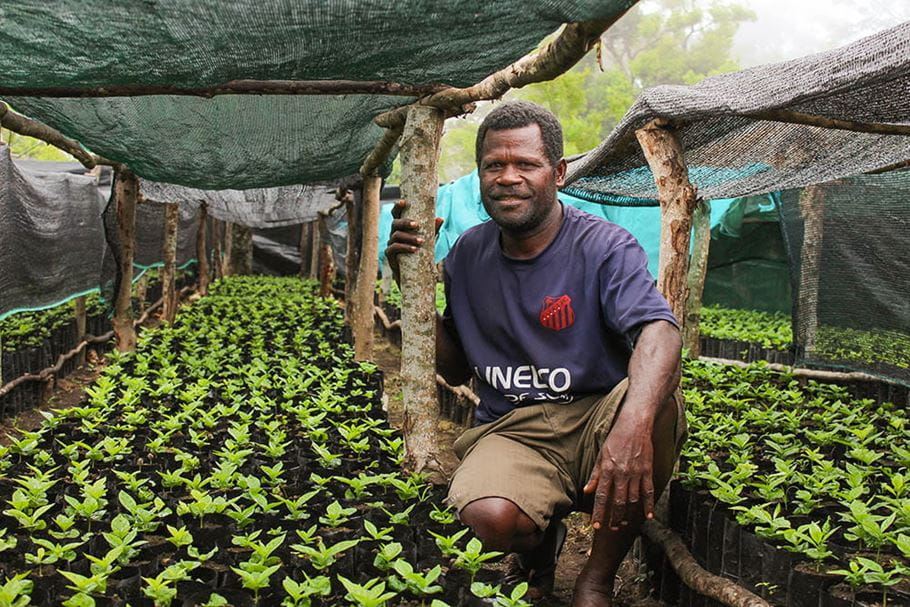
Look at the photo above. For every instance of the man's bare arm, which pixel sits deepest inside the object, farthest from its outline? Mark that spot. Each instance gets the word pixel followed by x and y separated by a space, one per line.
pixel 623 475
pixel 404 240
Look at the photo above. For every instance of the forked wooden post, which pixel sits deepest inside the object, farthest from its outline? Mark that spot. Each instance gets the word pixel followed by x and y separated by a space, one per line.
pixel 419 154
pixel 812 210
pixel 126 192
pixel 169 270
pixel 362 317
pixel 326 263
pixel 665 156
pixel 202 253
pixel 303 248
pixel 227 248
pixel 698 269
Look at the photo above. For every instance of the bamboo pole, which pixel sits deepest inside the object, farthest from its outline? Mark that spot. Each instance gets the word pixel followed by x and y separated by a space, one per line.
pixel 812 209
pixel 676 195
pixel 362 313
pixel 202 254
pixel 126 191
pixel 80 326
pixel 419 155
pixel 698 269
pixel 169 270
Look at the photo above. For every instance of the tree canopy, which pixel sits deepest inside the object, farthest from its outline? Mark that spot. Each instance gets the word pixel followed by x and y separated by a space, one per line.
pixel 657 42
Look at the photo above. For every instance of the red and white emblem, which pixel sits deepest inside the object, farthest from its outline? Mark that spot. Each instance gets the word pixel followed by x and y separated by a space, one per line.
pixel 557 312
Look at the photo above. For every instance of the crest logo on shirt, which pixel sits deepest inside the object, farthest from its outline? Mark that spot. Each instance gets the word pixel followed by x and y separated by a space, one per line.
pixel 557 313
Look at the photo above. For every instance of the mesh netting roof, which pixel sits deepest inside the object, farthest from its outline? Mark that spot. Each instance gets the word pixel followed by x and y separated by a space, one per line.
pixel 256 208
pixel 731 153
pixel 244 142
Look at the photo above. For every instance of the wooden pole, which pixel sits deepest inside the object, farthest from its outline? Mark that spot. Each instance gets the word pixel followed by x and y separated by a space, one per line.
pixel 419 155
pixel 326 262
pixel 227 248
pixel 202 254
pixel 217 239
pixel 169 270
pixel 352 254
pixel 698 269
pixel 316 248
pixel 303 248
pixel 812 209
pixel 362 312
pixel 665 156
pixel 241 250
pixel 80 326
pixel 126 192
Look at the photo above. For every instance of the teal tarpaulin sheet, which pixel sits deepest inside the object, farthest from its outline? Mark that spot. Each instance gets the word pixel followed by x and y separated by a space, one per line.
pixel 459 204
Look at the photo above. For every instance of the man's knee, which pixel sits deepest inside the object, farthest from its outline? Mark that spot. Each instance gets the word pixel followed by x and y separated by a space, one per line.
pixel 499 523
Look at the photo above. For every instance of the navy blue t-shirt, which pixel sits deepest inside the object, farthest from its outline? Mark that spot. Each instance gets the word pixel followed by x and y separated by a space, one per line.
pixel 552 328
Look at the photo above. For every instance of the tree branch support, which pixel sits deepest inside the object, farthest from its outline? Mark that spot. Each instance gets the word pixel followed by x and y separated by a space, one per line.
pixel 419 154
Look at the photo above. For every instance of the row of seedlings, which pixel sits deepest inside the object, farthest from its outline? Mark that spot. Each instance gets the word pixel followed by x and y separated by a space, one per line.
pixel 238 457
pixel 799 492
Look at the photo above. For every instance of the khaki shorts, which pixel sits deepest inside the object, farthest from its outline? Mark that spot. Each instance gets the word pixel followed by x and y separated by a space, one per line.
pixel 540 456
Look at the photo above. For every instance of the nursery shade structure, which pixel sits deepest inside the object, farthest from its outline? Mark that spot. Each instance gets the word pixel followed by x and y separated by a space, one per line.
pixel 742 134
pixel 179 53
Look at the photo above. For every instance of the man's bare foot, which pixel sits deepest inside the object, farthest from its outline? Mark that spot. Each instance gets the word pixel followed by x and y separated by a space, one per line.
pixel 591 594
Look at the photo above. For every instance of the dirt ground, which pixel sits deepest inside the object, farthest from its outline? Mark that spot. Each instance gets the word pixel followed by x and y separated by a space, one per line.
pixel 631 587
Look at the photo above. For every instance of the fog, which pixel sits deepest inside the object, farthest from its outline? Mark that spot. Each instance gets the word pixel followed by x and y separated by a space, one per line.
pixel 785 29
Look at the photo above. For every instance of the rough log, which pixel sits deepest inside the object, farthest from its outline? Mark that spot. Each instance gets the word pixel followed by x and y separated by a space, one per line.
pixel 812 209
pixel 665 156
pixel 241 250
pixel 142 289
pixel 235 87
pixel 169 270
pixel 419 155
pixel 362 313
pixel 698 269
pixel 690 572
pixel 32 128
pixel 818 374
pixel 202 254
pixel 791 117
pixel 560 54
pixel 126 190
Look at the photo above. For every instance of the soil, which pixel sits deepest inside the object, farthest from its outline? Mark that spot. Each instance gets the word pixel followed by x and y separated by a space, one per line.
pixel 632 588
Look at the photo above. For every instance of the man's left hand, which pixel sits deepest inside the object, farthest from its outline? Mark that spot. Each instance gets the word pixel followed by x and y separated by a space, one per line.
pixel 622 479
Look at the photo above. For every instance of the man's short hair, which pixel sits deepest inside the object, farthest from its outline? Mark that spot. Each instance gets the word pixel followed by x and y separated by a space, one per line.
pixel 517 114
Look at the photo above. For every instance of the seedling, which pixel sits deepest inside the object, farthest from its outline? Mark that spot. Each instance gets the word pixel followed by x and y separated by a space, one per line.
pixel 322 556
pixel 420 584
pixel 299 593
pixel 336 515
pixel 370 594
pixel 472 558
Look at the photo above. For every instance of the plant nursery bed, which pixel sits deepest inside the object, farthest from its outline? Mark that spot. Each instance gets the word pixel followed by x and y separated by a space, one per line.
pixel 239 457
pixel 801 493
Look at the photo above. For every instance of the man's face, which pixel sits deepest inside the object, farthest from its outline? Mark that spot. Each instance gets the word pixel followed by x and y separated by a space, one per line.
pixel 517 182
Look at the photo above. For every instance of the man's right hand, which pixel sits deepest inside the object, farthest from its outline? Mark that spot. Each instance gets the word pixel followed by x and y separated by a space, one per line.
pixel 405 237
